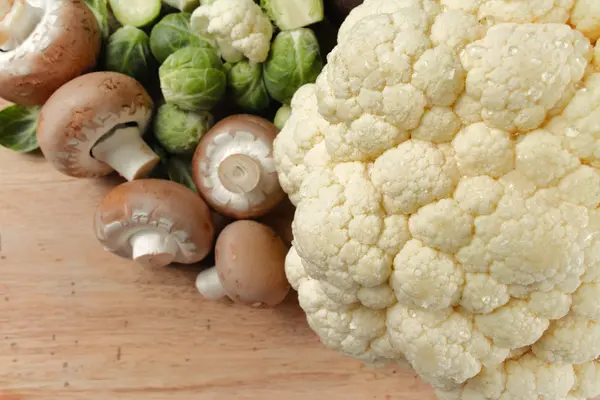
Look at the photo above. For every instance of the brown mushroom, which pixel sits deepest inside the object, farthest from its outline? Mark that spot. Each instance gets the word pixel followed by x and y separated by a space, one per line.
pixel 249 266
pixel 155 222
pixel 94 124
pixel 234 170
pixel 44 44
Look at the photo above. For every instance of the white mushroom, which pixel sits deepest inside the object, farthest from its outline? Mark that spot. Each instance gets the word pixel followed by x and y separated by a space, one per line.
pixel 155 222
pixel 234 170
pixel 94 124
pixel 43 45
pixel 249 266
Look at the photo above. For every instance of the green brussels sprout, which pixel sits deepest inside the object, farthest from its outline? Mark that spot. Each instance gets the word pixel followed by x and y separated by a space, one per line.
pixel 179 131
pixel 193 78
pixel 183 5
pixel 282 115
pixel 18 126
pixel 174 32
pixel 288 15
pixel 294 60
pixel 247 88
pixel 100 10
pixel 138 13
pixel 180 171
pixel 128 52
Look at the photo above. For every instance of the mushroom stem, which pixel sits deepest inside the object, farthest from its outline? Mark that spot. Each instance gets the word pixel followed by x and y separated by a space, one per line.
pixel 153 248
pixel 127 153
pixel 18 18
pixel 240 173
pixel 209 284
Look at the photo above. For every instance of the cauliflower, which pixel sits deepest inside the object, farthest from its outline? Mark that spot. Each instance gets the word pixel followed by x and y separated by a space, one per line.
pixel 240 28
pixel 445 169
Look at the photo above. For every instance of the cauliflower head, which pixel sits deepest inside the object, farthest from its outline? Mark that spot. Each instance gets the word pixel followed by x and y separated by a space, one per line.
pixel 239 27
pixel 445 173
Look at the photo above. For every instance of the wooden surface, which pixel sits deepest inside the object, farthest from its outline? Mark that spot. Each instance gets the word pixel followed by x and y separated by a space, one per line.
pixel 79 323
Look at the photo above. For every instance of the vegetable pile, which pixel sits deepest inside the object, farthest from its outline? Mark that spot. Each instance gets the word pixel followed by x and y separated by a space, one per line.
pixel 445 169
pixel 179 98
pixel 440 166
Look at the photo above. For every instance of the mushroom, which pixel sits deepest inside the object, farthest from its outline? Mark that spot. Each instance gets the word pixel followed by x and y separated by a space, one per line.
pixel 249 266
pixel 94 124
pixel 155 222
pixel 234 170
pixel 43 45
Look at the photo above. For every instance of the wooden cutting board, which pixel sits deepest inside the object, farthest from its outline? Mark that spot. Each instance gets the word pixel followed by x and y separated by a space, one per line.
pixel 79 323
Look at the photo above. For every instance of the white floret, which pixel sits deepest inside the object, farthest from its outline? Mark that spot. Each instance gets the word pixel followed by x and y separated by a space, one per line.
pixel 483 151
pixel 571 340
pixel 541 158
pixel 240 28
pixel 447 187
pixel 413 174
pixel 438 125
pixel 442 225
pixel 297 148
pixel 519 73
pixel 426 278
pixel 585 17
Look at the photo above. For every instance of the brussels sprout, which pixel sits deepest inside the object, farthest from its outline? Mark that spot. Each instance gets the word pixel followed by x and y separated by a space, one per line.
pixel 294 60
pixel 183 5
pixel 136 13
pixel 172 33
pixel 247 87
pixel 18 127
pixel 288 15
pixel 193 78
pixel 282 115
pixel 100 10
pixel 179 131
pixel 180 171
pixel 128 52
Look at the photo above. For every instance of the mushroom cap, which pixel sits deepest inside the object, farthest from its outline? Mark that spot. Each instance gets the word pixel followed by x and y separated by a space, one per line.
pixel 84 110
pixel 65 44
pixel 250 262
pixel 157 204
pixel 247 137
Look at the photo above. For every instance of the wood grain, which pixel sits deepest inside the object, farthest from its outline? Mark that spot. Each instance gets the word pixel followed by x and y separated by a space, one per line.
pixel 79 323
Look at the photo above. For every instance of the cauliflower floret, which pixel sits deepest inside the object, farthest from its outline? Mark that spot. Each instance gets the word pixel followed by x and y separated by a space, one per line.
pixel 442 225
pixel 585 17
pixel 578 123
pixel 240 28
pixel 478 195
pixel 374 7
pixel 425 277
pixel 482 294
pixel 438 125
pixel 447 190
pixel 570 340
pixel 412 175
pixel 297 148
pixel 519 73
pixel 542 159
pixel 483 151
pixel 497 11
pixel 456 29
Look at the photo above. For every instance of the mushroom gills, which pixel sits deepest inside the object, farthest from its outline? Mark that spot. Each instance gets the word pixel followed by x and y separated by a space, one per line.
pixel 18 19
pixel 209 284
pixel 153 248
pixel 124 149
